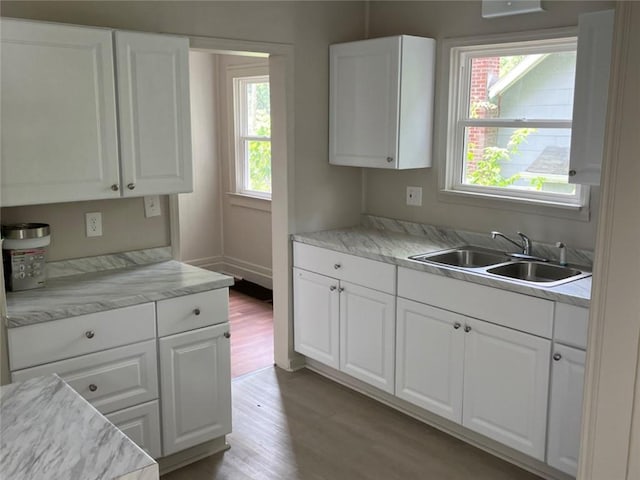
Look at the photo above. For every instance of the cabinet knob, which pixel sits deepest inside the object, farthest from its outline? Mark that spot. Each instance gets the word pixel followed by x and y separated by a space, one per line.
pixel 227 334
pixel 93 387
pixel 341 289
pixel 572 173
pixel 467 328
pixel 337 266
pixel 115 187
pixel 89 334
pixel 389 159
pixel 332 288
pixel 196 311
pixel 131 186
pixel 557 356
pixel 457 325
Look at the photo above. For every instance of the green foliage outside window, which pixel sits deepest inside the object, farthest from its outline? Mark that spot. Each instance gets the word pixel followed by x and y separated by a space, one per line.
pixel 259 151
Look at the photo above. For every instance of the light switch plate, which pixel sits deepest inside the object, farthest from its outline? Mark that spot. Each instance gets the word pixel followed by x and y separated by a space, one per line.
pixel 152 206
pixel 414 196
pixel 93 224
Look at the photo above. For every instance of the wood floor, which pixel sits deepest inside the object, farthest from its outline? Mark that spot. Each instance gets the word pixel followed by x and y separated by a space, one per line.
pixel 251 333
pixel 301 426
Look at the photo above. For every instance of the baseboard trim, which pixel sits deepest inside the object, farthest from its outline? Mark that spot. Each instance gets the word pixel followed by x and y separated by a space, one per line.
pixel 185 457
pixel 208 263
pixel 479 441
pixel 249 271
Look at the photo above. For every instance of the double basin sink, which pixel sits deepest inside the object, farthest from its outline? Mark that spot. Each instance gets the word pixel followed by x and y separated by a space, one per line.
pixel 501 265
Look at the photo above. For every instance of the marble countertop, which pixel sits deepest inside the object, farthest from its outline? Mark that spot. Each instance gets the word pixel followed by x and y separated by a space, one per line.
pixel 395 247
pixel 97 291
pixel 49 431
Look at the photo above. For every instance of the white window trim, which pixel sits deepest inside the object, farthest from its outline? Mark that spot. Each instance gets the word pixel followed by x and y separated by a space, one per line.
pixel 446 144
pixel 237 194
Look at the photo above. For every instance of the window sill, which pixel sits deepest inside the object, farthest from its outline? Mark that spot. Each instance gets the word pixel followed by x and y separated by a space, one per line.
pixel 249 201
pixel 549 209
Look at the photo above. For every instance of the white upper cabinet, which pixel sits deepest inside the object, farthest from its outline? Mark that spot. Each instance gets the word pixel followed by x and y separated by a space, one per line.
pixel 153 99
pixel 593 62
pixel 59 134
pixel 381 102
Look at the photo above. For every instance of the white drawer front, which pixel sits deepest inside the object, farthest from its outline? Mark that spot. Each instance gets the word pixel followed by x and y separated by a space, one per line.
pixel 571 325
pixel 69 337
pixel 142 425
pixel 361 271
pixel 109 380
pixel 514 310
pixel 189 312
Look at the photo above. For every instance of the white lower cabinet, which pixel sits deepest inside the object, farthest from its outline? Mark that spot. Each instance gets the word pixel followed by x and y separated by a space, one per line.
pixel 565 408
pixel 195 387
pixel 506 378
pixel 367 335
pixel 430 358
pixel 142 425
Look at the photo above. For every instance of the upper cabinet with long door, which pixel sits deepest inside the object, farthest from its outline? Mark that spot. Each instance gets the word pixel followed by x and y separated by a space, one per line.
pixel 58 114
pixel 153 96
pixel 381 102
pixel 59 123
pixel 593 63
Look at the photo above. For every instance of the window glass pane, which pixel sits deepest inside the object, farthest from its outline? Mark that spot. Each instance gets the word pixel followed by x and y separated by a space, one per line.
pixel 536 86
pixel 258 178
pixel 528 159
pixel 258 109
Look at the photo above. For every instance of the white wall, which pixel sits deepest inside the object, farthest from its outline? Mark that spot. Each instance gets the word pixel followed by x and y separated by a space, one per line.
pixel 385 190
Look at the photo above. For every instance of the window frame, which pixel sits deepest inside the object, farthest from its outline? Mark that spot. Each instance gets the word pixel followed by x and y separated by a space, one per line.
pixel 455 79
pixel 240 79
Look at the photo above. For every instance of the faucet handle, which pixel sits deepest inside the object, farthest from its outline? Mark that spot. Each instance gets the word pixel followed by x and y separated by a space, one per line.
pixel 526 243
pixel 563 254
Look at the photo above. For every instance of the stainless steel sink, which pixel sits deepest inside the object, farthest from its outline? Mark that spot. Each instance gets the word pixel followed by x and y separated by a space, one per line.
pixel 538 272
pixel 465 257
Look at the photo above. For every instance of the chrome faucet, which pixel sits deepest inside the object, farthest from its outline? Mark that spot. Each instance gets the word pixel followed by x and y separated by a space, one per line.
pixel 526 242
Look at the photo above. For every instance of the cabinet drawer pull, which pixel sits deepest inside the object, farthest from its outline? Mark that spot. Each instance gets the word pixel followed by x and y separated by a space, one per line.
pixel 196 312
pixel 467 328
pixel 332 288
pixel 389 159
pixel 557 356
pixel 115 187
pixel 227 334
pixel 457 325
pixel 89 334
pixel 93 387
pixel 337 266
pixel 131 186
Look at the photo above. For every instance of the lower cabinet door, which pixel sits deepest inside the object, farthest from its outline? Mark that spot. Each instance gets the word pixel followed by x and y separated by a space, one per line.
pixel 142 425
pixel 195 386
pixel 506 382
pixel 367 335
pixel 430 358
pixel 316 321
pixel 565 409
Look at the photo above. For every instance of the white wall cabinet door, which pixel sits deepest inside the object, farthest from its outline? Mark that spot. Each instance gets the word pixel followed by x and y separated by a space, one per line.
pixel 430 358
pixel 506 381
pixel 367 335
pixel 195 386
pixel 316 317
pixel 153 99
pixel 59 135
pixel 565 408
pixel 142 425
pixel 381 102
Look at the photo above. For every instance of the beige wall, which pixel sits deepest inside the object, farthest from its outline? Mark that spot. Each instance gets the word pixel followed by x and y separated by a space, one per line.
pixel 385 190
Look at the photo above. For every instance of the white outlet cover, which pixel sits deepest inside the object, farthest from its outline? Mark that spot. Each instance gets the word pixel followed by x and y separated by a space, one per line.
pixel 93 224
pixel 152 206
pixel 414 196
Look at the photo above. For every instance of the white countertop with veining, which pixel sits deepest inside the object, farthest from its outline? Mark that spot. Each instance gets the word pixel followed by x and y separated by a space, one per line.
pixel 48 431
pixel 96 291
pixel 395 247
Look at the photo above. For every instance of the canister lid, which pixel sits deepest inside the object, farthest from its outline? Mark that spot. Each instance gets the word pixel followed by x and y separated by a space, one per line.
pixel 21 231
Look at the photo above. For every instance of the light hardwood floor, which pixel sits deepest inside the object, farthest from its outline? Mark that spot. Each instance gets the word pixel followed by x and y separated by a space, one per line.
pixel 301 426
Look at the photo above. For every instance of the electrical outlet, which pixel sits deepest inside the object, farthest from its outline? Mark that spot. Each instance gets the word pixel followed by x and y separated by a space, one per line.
pixel 93 222
pixel 414 196
pixel 152 206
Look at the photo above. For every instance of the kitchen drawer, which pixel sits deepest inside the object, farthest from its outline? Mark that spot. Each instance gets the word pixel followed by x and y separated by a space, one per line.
pixel 514 310
pixel 571 325
pixel 109 380
pixel 142 425
pixel 189 312
pixel 69 337
pixel 361 271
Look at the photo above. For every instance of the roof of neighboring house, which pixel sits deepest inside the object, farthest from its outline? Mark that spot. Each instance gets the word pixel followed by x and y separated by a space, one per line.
pixel 519 71
pixel 552 161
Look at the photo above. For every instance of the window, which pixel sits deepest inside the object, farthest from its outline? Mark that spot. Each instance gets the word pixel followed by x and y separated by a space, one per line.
pixel 510 116
pixel 252 114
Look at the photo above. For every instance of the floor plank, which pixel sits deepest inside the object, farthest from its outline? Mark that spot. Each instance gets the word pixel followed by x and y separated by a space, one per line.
pixel 301 426
pixel 251 333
